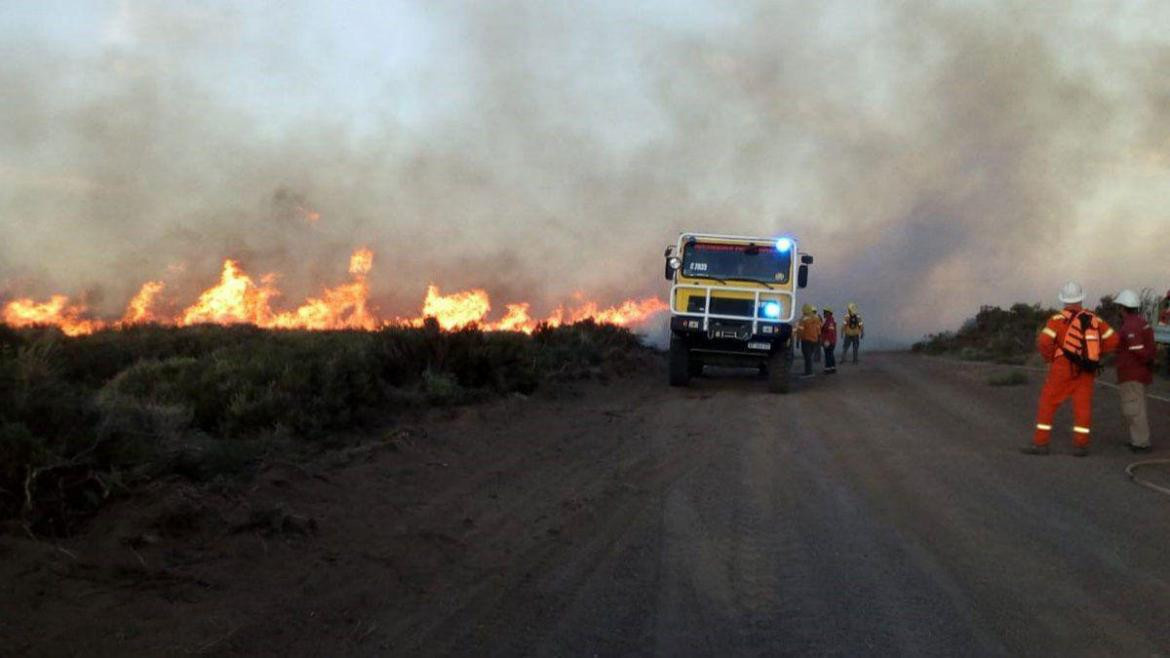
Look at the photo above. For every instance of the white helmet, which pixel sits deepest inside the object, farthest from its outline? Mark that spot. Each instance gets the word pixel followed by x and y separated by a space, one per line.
pixel 1128 299
pixel 1072 293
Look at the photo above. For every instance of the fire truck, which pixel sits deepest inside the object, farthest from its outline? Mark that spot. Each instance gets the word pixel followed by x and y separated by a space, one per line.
pixel 732 303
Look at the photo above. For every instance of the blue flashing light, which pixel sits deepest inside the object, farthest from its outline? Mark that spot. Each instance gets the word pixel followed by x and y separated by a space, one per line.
pixel 784 244
pixel 771 310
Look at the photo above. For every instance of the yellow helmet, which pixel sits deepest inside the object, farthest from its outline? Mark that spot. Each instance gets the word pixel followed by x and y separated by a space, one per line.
pixel 808 309
pixel 852 308
pixel 827 310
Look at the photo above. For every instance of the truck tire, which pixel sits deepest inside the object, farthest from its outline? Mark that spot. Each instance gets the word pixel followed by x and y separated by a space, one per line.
pixel 779 366
pixel 680 358
pixel 694 367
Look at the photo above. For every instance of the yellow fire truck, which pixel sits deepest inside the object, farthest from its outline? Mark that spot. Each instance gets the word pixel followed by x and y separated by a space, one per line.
pixel 732 303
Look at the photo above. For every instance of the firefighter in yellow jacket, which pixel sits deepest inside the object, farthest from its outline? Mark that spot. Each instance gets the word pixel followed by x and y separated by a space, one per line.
pixel 809 333
pixel 854 330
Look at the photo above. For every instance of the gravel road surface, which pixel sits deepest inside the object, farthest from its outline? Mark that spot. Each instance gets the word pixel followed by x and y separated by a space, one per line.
pixel 882 511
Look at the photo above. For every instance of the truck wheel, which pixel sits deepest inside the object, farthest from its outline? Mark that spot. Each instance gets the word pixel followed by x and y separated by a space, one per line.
pixel 779 366
pixel 694 367
pixel 680 369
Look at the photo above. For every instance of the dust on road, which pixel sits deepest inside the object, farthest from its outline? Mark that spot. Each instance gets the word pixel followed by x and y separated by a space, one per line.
pixel 882 511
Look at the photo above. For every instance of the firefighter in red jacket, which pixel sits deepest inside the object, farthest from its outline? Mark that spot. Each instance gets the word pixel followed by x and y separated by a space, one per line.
pixel 1135 369
pixel 1073 342
pixel 829 341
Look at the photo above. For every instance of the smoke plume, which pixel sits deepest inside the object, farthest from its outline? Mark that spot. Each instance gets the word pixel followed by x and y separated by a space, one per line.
pixel 932 156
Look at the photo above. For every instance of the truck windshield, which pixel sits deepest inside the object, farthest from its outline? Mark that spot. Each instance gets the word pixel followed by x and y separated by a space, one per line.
pixel 734 261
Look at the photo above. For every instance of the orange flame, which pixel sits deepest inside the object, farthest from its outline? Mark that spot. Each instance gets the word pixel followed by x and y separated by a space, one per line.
pixel 361 262
pixel 516 319
pixel 235 300
pixel 343 307
pixel 626 313
pixel 138 311
pixel 55 312
pixel 238 299
pixel 455 310
pixel 471 307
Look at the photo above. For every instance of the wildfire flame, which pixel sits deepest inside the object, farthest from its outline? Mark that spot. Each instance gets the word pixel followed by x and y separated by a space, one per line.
pixel 57 311
pixel 456 310
pixel 239 299
pixel 343 307
pixel 138 311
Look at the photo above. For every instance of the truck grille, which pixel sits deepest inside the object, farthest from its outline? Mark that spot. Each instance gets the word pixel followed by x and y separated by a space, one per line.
pixel 721 306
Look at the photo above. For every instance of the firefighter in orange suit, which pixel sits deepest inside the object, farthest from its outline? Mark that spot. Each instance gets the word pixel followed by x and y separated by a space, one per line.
pixel 1073 342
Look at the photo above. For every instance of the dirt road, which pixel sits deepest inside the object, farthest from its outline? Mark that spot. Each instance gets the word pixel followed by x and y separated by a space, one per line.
pixel 884 511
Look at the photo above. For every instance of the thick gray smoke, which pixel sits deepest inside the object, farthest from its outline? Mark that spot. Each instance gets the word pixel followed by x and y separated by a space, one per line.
pixel 934 157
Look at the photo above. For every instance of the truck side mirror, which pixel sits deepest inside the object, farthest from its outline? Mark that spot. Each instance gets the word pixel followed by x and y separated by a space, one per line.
pixel 672 263
pixel 802 276
pixel 806 259
pixel 672 266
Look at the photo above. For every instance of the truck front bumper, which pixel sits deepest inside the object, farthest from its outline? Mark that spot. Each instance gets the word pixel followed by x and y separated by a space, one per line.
pixel 732 338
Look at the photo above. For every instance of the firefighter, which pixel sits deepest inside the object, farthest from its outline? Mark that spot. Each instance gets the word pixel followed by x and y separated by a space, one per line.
pixel 1164 318
pixel 1073 343
pixel 1135 369
pixel 809 332
pixel 818 352
pixel 854 330
pixel 829 341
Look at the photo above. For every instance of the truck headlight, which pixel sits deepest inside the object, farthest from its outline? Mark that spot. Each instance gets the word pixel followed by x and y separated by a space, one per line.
pixel 771 310
pixel 783 244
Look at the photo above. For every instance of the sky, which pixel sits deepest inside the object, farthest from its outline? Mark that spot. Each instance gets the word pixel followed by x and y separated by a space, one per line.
pixel 933 156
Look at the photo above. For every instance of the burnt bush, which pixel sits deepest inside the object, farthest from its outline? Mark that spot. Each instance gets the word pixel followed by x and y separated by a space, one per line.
pixel 201 401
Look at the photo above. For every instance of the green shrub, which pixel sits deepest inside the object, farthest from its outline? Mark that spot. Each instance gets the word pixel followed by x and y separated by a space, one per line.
pixel 205 401
pixel 441 387
pixel 19 452
pixel 994 334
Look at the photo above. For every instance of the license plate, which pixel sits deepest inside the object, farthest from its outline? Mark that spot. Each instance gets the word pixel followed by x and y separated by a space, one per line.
pixel 759 346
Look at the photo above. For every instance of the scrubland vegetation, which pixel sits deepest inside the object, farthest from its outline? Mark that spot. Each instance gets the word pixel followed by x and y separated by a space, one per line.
pixel 994 334
pixel 83 419
pixel 1009 335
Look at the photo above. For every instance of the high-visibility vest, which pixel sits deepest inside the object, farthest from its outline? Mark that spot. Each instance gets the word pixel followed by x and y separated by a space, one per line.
pixel 1081 343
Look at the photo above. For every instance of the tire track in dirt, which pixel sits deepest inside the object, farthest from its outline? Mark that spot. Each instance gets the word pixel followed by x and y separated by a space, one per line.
pixel 883 511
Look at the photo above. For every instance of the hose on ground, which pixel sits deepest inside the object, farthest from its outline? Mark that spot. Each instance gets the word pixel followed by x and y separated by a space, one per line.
pixel 1129 470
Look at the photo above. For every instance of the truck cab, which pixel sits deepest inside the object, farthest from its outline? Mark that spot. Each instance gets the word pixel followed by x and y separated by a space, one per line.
pixel 732 303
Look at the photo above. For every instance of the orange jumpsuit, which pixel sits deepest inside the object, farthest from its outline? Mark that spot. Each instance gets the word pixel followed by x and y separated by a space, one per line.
pixel 1065 381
